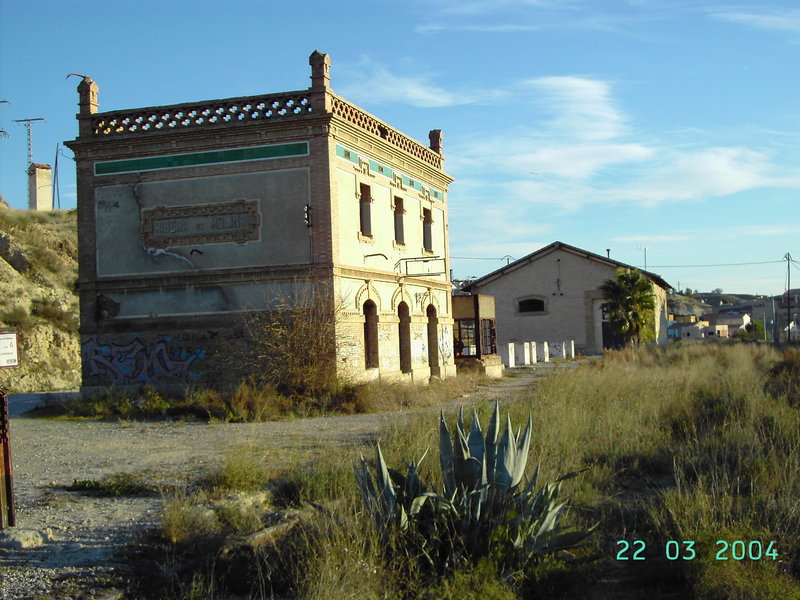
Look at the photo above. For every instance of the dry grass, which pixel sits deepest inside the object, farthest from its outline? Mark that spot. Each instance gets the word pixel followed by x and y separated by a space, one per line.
pixel 684 443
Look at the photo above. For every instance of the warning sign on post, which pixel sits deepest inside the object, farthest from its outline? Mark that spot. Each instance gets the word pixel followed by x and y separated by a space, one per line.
pixel 9 355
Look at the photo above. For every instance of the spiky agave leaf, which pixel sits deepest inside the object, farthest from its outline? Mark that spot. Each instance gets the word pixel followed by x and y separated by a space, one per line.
pixel 413 484
pixel 506 459
pixel 385 488
pixel 523 447
pixel 365 484
pixel 461 456
pixel 446 458
pixel 491 441
pixel 477 445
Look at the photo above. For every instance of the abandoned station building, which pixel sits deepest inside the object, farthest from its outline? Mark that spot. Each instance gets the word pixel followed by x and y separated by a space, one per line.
pixel 193 215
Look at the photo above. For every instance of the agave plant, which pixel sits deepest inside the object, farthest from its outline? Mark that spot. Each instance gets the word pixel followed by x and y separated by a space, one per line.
pixel 483 507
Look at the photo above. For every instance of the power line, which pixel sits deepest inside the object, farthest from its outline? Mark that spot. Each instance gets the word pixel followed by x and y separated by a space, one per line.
pixel 481 257
pixel 739 264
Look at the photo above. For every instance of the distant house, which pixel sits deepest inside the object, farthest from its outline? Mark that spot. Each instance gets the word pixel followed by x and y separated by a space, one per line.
pixel 680 330
pixel 733 322
pixel 554 294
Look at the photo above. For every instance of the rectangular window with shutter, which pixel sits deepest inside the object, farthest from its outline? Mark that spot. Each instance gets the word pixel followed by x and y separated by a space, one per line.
pixel 365 210
pixel 427 230
pixel 399 233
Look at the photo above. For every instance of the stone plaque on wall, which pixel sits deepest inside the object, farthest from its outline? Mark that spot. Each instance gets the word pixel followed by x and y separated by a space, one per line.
pixel 237 221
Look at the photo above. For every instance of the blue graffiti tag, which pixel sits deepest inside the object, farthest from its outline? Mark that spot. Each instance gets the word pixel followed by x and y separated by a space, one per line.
pixel 136 362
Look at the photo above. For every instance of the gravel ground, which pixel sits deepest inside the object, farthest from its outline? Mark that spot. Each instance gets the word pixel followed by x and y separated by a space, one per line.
pixel 66 544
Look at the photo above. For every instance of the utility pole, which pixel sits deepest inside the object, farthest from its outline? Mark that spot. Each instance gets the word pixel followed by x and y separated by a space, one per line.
pixel 788 258
pixel 28 125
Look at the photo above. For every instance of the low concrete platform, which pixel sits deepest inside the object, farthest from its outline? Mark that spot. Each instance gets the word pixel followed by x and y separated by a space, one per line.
pixel 22 403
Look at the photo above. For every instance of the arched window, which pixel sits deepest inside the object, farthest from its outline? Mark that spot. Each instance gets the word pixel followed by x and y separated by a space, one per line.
pixel 405 337
pixel 531 305
pixel 370 335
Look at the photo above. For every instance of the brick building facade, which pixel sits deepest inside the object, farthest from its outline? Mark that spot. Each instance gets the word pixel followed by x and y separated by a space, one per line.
pixel 193 215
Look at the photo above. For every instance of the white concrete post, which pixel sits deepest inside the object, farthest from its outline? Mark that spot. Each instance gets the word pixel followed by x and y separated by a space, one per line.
pixel 533 352
pixel 563 349
pixel 511 355
pixel 526 353
pixel 545 352
pixel 572 348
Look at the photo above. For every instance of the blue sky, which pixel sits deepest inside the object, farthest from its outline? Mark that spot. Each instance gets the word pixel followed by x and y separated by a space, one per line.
pixel 668 125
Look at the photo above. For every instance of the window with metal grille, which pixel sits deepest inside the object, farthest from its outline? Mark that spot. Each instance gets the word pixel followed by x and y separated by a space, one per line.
pixel 466 337
pixel 488 337
pixel 531 305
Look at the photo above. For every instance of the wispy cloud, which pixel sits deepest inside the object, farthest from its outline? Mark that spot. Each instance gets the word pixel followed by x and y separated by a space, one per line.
pixel 580 106
pixel 521 16
pixel 770 230
pixel 483 7
pixel 710 172
pixel 478 27
pixel 786 20
pixel 667 176
pixel 651 239
pixel 580 133
pixel 377 85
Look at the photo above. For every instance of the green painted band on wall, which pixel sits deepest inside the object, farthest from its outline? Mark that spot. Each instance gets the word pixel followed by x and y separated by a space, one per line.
pixel 381 169
pixel 201 158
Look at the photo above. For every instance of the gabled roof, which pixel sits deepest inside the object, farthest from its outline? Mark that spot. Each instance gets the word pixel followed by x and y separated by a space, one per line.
pixel 525 260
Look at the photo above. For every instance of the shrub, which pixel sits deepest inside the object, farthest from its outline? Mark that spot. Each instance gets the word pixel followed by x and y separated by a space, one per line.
pixel 185 516
pixel 50 310
pixel 19 318
pixel 784 377
pixel 292 346
pixel 483 509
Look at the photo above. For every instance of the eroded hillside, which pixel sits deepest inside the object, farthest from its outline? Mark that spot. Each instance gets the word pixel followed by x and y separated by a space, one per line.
pixel 38 298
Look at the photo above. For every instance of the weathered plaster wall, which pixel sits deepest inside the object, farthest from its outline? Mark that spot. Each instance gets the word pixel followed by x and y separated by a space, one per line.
pixel 387 296
pixel 282 238
pixel 206 299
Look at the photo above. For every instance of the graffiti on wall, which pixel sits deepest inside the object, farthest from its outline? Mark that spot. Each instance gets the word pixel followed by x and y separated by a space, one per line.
pixel 137 362
pixel 446 345
pixel 558 349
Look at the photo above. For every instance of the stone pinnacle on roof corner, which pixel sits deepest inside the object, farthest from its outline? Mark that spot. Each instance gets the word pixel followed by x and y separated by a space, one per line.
pixel 320 70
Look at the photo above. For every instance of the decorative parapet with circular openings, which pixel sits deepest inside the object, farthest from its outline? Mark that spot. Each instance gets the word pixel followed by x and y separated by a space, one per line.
pixel 342 108
pixel 251 109
pixel 205 114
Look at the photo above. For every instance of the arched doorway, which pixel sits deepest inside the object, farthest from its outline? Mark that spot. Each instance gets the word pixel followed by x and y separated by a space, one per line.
pixel 433 340
pixel 370 335
pixel 405 337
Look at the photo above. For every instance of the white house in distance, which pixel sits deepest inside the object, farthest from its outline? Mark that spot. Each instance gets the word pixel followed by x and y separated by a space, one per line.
pixel 554 295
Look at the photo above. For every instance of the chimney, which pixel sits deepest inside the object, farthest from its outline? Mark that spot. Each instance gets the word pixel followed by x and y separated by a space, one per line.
pixel 436 137
pixel 40 187
pixel 87 102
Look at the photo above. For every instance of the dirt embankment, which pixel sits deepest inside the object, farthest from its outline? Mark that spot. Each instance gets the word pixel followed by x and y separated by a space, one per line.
pixel 38 275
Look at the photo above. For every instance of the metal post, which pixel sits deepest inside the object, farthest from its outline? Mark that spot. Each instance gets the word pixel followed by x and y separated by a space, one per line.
pixel 7 512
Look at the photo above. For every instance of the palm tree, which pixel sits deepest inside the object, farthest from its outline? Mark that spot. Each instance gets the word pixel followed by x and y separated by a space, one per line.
pixel 630 304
